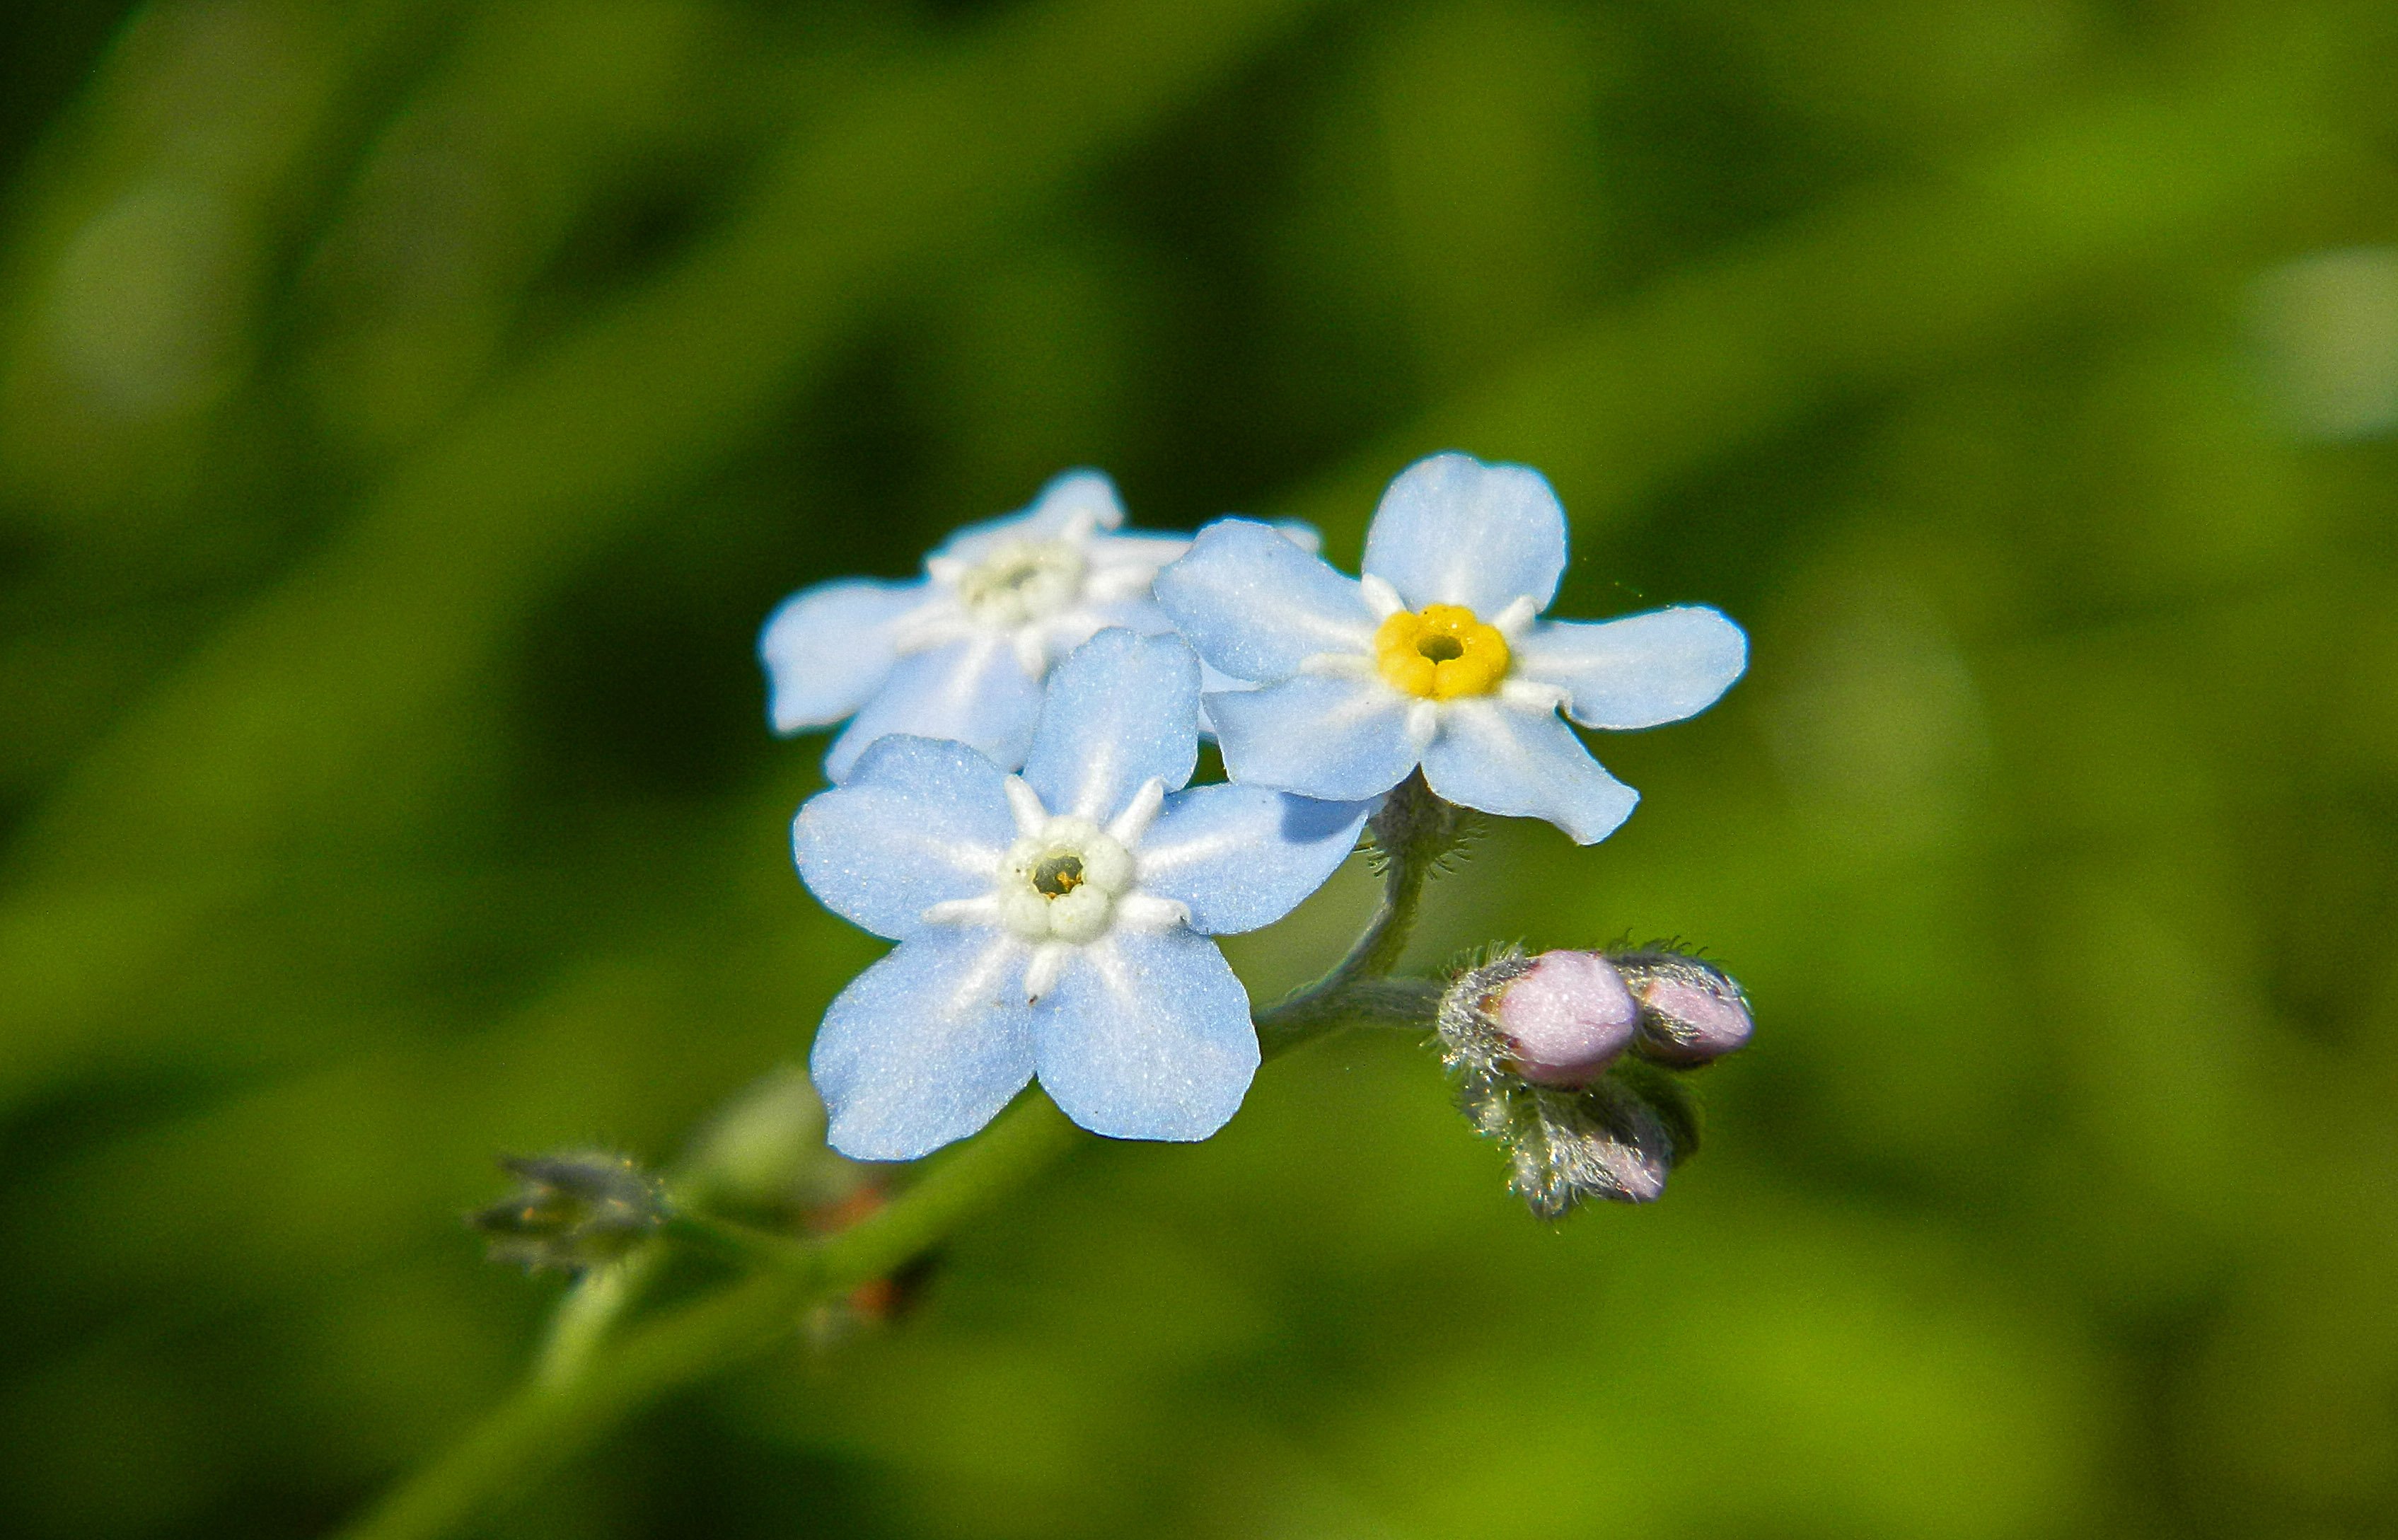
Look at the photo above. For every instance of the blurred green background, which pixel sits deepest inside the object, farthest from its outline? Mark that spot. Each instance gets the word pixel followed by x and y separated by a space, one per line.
pixel 409 409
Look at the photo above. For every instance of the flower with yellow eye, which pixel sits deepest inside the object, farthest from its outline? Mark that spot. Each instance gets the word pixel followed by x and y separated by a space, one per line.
pixel 961 653
pixel 1437 655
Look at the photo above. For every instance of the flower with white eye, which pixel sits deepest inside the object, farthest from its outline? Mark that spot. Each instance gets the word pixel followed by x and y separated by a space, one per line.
pixel 1054 923
pixel 1436 656
pixel 961 653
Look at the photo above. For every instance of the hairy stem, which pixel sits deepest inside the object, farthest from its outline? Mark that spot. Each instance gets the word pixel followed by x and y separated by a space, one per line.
pixel 585 1383
pixel 1413 831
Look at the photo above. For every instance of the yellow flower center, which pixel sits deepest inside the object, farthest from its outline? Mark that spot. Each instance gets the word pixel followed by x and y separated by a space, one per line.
pixel 1440 652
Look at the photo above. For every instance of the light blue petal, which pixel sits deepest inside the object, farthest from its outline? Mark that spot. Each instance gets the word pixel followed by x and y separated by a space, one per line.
pixel 1319 735
pixel 1300 532
pixel 1454 530
pixel 1140 615
pixel 1147 1037
pixel 1120 708
pixel 1256 606
pixel 1523 764
pixel 1213 682
pixel 828 649
pixel 1241 857
pixel 1150 547
pixel 1073 494
pixel 1640 670
pixel 918 822
pixel 926 1045
pixel 972 691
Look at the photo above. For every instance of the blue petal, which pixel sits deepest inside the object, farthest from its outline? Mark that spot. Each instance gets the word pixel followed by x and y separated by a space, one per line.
pixel 1120 708
pixel 1523 764
pixel 972 691
pixel 1151 548
pixel 1215 682
pixel 1454 530
pixel 918 822
pixel 1300 532
pixel 1256 606
pixel 1640 670
pixel 926 1045
pixel 1241 857
pixel 1140 615
pixel 1067 497
pixel 1148 1037
pixel 1319 735
pixel 828 649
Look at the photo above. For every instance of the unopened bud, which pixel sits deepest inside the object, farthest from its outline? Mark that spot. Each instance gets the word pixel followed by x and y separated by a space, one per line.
pixel 1691 1013
pixel 1564 1018
pixel 1534 1045
pixel 1604 1142
pixel 576 1210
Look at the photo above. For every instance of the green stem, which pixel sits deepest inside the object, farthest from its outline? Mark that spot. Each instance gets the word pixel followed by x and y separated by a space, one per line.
pixel 584 1316
pixel 1413 831
pixel 552 1418
pixel 583 1386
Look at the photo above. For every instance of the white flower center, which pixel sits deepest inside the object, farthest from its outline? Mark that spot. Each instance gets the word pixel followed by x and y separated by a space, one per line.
pixel 1023 581
pixel 1061 883
pixel 1065 882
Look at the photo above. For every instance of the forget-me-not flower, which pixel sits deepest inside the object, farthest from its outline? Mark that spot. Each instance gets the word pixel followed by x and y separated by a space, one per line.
pixel 962 652
pixel 1436 656
pixel 1054 923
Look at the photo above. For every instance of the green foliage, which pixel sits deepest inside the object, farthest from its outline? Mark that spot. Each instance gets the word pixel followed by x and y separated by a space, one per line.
pixel 407 412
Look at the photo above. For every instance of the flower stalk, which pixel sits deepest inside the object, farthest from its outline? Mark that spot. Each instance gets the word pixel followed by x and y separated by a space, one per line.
pixel 590 1377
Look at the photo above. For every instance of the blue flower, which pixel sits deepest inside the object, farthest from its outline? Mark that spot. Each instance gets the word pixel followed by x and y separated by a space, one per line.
pixel 961 653
pixel 1054 923
pixel 1436 656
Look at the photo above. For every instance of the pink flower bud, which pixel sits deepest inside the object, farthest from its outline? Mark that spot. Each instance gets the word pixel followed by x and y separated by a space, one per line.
pixel 1565 1017
pixel 1689 1013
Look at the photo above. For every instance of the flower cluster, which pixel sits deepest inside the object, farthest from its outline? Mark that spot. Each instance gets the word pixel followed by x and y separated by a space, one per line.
pixel 1011 801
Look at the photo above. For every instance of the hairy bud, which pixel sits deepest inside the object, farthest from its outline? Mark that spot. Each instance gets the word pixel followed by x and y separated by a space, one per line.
pixel 575 1210
pixel 1531 1042
pixel 1563 1019
pixel 1691 1013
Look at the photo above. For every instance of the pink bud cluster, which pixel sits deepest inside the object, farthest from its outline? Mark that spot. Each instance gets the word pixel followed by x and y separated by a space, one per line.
pixel 1567 1015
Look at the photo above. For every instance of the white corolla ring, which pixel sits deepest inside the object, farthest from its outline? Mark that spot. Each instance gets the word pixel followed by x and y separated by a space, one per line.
pixel 1063 882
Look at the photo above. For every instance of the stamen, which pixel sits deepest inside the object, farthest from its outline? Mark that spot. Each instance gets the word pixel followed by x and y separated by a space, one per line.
pixel 1061 882
pixel 1058 875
